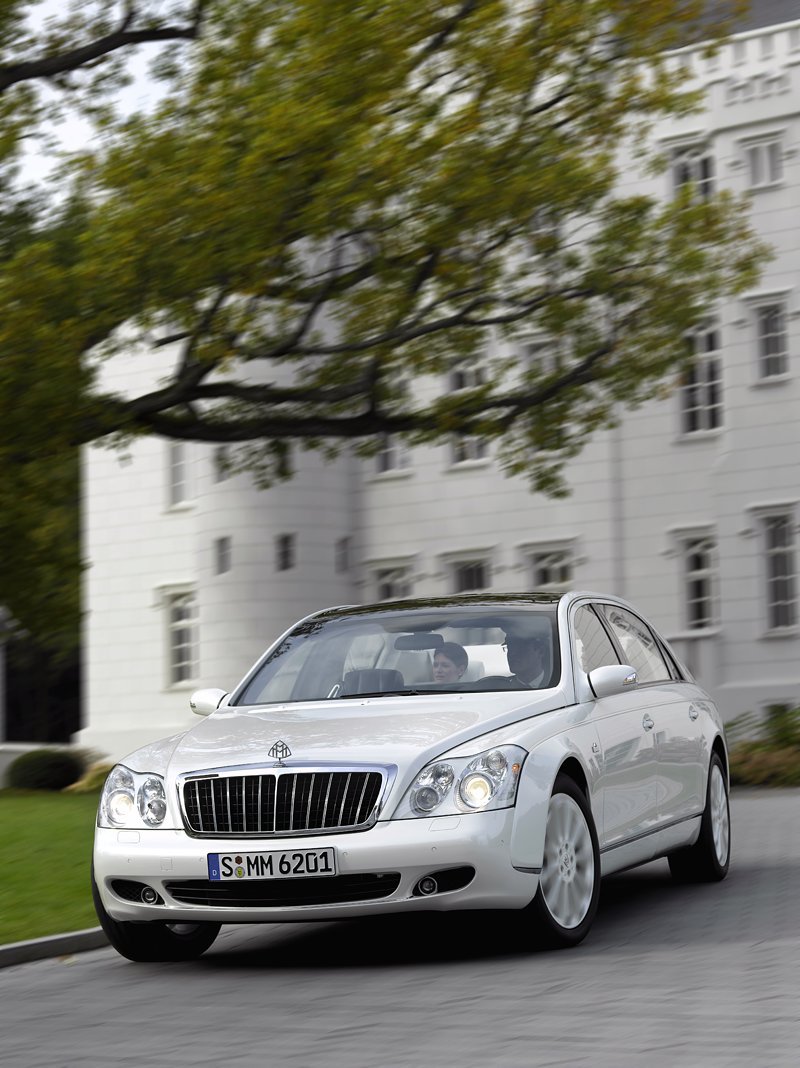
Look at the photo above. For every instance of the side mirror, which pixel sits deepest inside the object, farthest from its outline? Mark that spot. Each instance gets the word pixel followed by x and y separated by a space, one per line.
pixel 612 679
pixel 204 702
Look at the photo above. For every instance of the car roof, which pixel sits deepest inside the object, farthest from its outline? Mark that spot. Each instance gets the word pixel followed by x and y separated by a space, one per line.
pixel 466 600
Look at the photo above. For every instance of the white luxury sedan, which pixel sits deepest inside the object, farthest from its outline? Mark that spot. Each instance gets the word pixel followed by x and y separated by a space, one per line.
pixel 478 752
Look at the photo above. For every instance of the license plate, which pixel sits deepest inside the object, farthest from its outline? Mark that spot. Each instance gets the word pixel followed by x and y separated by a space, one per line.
pixel 287 864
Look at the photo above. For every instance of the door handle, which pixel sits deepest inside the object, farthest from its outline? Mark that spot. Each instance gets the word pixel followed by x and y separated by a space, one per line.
pixel 693 713
pixel 648 722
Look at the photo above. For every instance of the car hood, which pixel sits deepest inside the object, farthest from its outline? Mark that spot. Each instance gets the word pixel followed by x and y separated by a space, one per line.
pixel 405 731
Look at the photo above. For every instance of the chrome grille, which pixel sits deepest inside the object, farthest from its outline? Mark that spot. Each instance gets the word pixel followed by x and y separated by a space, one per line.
pixel 281 803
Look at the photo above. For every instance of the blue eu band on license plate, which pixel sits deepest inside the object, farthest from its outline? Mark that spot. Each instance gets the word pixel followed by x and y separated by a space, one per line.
pixel 284 864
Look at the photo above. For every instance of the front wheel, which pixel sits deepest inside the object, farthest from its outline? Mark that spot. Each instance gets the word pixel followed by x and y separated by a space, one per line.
pixel 708 859
pixel 155 941
pixel 569 885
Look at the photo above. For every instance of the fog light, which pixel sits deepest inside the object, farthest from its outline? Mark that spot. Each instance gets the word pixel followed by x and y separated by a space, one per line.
pixel 427 886
pixel 149 896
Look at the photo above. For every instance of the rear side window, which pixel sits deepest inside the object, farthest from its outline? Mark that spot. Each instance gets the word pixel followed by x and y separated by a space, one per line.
pixel 592 644
pixel 638 643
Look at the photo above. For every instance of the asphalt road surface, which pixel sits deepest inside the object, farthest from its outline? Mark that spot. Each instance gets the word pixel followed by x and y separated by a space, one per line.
pixel 670 975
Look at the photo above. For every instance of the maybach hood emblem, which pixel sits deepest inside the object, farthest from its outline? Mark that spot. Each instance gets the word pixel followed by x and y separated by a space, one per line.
pixel 280 751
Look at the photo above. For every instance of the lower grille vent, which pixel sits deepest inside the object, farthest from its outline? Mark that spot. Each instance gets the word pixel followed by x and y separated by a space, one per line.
pixel 256 893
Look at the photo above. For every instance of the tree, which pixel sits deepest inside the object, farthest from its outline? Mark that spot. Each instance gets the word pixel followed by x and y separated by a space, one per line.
pixel 72 59
pixel 337 195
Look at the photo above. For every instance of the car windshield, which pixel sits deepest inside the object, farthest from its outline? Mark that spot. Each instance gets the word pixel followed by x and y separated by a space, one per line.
pixel 378 651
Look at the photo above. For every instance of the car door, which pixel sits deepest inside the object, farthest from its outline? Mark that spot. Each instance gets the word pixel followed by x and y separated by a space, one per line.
pixel 680 750
pixel 627 782
pixel 670 710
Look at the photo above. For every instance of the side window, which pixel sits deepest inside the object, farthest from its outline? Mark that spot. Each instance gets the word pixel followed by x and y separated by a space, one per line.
pixel 639 646
pixel 593 646
pixel 672 664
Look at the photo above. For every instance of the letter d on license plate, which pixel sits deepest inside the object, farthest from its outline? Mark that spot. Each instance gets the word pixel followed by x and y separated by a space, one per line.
pixel 288 864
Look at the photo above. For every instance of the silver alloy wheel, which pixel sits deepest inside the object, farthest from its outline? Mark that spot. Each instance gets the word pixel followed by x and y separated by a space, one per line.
pixel 720 817
pixel 568 874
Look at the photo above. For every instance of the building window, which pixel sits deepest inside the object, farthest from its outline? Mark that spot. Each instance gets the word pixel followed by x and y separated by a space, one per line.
pixel 541 357
pixel 393 455
pixel 468 447
pixel 222 555
pixel 781 571
pixel 177 472
pixel 222 463
pixel 764 162
pixel 700 580
pixel 182 636
pixel 285 552
pixel 341 555
pixel 392 583
pixel 552 569
pixel 466 378
pixel 469 575
pixel 772 344
pixel 701 390
pixel 693 164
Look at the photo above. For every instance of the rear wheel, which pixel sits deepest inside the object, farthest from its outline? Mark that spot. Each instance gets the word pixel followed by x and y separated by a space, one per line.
pixel 155 941
pixel 708 859
pixel 569 885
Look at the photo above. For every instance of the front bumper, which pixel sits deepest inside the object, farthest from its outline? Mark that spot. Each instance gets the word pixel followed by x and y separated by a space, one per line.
pixel 412 848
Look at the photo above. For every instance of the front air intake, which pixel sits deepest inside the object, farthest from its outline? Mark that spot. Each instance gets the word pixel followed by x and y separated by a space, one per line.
pixel 282 802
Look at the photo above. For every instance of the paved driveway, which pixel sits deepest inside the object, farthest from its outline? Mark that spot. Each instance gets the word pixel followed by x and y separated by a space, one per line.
pixel 670 975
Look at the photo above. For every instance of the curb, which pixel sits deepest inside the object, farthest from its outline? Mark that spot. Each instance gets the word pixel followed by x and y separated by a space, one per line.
pixel 52 946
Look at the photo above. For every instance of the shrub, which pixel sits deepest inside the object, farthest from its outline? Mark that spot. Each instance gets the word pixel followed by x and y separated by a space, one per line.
pixel 782 727
pixel 45 769
pixel 757 765
pixel 765 751
pixel 92 779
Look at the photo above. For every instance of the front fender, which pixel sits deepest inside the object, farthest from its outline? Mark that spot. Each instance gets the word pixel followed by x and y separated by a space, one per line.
pixel 536 787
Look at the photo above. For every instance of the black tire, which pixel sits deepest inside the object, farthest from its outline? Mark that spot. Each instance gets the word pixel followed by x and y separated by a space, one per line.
pixel 565 904
pixel 707 861
pixel 154 941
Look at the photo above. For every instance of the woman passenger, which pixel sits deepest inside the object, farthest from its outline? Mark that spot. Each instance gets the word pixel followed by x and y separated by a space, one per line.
pixel 449 662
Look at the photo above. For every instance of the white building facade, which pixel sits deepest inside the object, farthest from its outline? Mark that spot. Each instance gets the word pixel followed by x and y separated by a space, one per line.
pixel 690 508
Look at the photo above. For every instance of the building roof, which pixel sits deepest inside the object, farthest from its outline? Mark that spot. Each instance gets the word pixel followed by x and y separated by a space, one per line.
pixel 768 13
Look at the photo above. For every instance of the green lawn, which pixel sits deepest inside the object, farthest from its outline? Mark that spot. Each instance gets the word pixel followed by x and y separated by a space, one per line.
pixel 46 851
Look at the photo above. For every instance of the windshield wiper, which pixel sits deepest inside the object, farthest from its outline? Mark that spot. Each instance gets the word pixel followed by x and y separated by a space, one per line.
pixel 406 691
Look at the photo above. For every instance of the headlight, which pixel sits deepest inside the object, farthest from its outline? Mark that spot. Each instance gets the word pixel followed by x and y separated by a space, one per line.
pixel 469 784
pixel 132 799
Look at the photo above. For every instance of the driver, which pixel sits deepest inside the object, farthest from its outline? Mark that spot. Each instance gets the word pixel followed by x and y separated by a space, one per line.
pixel 527 659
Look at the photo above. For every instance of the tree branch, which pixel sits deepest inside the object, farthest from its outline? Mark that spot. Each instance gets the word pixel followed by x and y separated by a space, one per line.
pixel 440 39
pixel 81 56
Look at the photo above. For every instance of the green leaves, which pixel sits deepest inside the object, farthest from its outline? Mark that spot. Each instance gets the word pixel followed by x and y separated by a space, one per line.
pixel 333 196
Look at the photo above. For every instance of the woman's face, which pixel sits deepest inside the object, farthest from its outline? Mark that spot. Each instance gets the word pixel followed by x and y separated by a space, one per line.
pixel 444 670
